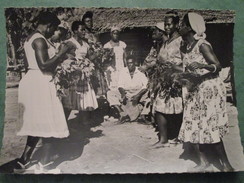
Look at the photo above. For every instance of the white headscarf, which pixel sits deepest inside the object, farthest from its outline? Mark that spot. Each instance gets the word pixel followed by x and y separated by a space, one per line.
pixel 115 28
pixel 198 25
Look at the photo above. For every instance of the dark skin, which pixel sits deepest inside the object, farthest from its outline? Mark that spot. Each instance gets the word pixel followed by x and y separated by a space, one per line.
pixel 136 98
pixel 45 63
pixel 210 57
pixel 160 37
pixel 79 35
pixel 171 29
pixel 40 46
pixel 206 50
pixel 88 23
pixel 115 42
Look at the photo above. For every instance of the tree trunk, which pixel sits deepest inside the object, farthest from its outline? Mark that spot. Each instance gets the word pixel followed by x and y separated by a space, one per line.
pixel 12 49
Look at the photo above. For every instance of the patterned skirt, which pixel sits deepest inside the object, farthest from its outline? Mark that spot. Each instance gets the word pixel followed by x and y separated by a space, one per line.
pixel 170 106
pixel 99 83
pixel 80 98
pixel 205 119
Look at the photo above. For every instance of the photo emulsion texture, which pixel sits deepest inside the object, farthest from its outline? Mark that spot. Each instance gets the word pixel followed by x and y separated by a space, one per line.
pixel 116 90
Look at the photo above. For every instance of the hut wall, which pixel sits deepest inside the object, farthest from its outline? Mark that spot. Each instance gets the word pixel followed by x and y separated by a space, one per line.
pixel 139 40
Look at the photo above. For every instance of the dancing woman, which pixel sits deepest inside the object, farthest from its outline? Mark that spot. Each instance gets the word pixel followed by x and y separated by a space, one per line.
pixel 43 115
pixel 168 113
pixel 205 119
pixel 84 100
pixel 98 81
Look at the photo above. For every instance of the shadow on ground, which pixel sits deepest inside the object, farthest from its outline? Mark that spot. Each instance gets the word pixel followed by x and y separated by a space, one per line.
pixel 70 148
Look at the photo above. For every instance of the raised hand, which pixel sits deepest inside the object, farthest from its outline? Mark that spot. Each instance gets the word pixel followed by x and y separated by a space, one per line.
pixel 63 48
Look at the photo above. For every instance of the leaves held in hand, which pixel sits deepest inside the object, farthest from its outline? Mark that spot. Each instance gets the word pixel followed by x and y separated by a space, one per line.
pixel 167 81
pixel 189 80
pixel 104 57
pixel 161 80
pixel 70 73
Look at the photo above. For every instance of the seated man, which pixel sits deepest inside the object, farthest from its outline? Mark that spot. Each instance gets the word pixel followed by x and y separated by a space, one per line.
pixel 132 85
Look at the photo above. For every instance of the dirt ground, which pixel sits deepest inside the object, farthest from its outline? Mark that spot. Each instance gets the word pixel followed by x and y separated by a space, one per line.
pixel 111 147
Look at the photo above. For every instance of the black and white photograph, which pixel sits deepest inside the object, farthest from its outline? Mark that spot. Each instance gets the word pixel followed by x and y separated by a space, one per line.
pixel 120 91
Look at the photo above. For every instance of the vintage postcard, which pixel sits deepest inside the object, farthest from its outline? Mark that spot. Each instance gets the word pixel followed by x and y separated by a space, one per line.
pixel 120 91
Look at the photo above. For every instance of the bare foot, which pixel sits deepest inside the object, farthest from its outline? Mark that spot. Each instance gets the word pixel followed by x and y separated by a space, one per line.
pixel 160 145
pixel 174 141
pixel 200 168
pixel 228 168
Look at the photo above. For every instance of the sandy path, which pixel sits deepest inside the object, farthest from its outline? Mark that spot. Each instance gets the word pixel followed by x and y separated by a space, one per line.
pixel 113 148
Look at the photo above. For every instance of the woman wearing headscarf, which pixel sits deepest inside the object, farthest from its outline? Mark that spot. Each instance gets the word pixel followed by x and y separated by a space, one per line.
pixel 114 69
pixel 205 119
pixel 168 112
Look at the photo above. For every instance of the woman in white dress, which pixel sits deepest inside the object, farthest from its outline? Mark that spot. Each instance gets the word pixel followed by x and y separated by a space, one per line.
pixel 112 72
pixel 118 47
pixel 43 115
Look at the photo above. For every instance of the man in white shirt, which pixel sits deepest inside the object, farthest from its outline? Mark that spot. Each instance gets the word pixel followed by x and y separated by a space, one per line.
pixel 132 85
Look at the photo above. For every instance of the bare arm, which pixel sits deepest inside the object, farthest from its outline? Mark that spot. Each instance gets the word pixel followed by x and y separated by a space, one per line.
pixel 122 92
pixel 178 67
pixel 141 93
pixel 41 52
pixel 210 57
pixel 124 58
pixel 213 63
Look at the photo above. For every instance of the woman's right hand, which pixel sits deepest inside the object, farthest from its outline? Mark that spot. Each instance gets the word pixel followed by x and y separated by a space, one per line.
pixel 63 48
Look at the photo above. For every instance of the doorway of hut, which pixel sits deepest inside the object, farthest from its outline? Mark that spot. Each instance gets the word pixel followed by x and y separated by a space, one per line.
pixel 139 42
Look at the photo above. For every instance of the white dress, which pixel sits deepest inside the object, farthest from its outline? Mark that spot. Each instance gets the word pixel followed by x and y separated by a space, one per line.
pixel 119 63
pixel 43 114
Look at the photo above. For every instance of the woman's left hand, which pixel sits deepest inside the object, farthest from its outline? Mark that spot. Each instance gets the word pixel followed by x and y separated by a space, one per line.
pixel 195 65
pixel 135 100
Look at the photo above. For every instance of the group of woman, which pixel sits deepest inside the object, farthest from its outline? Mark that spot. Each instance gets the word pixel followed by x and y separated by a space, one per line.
pixel 198 117
pixel 44 112
pixel 201 120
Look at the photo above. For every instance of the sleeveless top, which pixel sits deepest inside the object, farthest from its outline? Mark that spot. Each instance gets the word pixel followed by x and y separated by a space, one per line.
pixel 170 52
pixel 81 50
pixel 119 53
pixel 196 56
pixel 30 52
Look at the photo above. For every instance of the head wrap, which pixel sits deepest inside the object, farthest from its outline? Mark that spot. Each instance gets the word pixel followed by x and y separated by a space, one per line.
pixel 198 25
pixel 160 25
pixel 115 28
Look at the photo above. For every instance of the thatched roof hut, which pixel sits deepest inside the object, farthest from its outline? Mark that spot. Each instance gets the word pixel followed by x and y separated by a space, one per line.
pixel 104 18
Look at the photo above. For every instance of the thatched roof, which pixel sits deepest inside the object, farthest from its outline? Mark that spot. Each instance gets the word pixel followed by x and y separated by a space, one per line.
pixel 104 18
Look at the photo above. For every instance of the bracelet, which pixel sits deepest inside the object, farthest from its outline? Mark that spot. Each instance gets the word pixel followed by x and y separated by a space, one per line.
pixel 215 68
